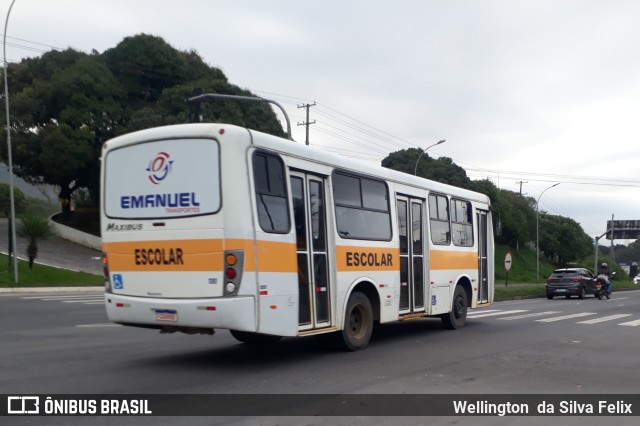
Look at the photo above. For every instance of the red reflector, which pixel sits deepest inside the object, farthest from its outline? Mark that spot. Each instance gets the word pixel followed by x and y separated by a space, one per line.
pixel 119 305
pixel 210 308
pixel 221 131
pixel 230 273
pixel 264 292
pixel 575 280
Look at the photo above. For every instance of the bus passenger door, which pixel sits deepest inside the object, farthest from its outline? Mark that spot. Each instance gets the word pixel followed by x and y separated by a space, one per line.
pixel 483 275
pixel 412 259
pixel 309 211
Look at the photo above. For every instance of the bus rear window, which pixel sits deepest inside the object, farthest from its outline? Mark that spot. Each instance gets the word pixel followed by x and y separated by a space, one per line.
pixel 163 179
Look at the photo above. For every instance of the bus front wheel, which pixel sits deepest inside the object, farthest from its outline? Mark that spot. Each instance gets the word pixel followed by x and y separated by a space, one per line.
pixel 458 315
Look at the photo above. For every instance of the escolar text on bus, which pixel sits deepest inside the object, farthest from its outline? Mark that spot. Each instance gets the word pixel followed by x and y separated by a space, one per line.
pixel 369 259
pixel 158 256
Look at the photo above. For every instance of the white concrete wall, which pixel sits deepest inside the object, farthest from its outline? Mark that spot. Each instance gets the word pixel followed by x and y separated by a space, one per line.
pixel 75 236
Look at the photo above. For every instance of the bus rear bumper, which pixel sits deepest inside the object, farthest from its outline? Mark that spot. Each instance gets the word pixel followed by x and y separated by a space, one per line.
pixel 237 313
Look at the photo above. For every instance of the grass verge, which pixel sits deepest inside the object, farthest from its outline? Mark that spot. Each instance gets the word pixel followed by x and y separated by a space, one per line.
pixel 45 276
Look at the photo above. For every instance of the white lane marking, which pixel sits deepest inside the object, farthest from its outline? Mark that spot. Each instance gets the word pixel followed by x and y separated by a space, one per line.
pixel 491 314
pixel 106 324
pixel 564 317
pixel 535 314
pixel 69 296
pixel 603 319
pixel 631 323
pixel 483 311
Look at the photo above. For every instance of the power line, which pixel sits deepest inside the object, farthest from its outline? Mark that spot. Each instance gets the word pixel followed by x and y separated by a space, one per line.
pixel 384 149
pixel 338 136
pixel 367 125
pixel 35 42
pixel 360 129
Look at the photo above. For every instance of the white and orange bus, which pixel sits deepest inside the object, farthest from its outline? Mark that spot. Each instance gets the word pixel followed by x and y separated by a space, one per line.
pixel 215 226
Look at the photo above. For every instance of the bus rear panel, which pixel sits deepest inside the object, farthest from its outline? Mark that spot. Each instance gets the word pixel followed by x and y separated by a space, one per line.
pixel 173 259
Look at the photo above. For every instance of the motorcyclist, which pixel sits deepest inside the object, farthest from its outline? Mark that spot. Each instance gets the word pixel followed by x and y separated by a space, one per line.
pixel 605 275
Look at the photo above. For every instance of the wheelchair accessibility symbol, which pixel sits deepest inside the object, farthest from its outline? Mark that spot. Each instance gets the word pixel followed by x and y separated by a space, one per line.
pixel 117 282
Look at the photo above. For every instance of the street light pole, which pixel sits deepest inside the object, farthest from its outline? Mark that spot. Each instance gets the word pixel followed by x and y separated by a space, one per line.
pixel 12 219
pixel 538 231
pixel 415 172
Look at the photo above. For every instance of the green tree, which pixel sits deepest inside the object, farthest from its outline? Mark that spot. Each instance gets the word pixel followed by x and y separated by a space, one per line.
pixel 563 240
pixel 66 104
pixel 34 228
pixel 19 200
pixel 630 252
pixel 514 217
pixel 441 170
pixel 62 116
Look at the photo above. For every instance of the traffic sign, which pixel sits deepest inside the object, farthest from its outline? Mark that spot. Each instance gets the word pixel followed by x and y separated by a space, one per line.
pixel 508 260
pixel 623 230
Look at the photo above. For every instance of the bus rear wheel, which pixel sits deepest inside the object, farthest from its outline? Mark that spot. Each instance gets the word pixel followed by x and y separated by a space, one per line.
pixel 254 338
pixel 458 315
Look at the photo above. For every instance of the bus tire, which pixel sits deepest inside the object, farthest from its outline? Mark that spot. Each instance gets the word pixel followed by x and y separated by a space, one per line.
pixel 254 338
pixel 358 323
pixel 458 315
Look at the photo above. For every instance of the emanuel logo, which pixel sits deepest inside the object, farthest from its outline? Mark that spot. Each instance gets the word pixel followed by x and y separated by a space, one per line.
pixel 159 167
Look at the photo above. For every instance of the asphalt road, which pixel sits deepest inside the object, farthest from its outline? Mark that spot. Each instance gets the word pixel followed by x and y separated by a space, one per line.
pixel 64 344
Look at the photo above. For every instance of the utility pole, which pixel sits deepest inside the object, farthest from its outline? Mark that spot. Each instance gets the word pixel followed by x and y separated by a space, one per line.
pixel 521 182
pixel 612 254
pixel 307 123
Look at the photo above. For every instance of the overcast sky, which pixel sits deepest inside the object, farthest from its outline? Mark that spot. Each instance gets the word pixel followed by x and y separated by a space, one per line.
pixel 539 91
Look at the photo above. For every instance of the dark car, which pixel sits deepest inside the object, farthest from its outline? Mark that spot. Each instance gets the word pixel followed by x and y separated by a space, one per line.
pixel 570 282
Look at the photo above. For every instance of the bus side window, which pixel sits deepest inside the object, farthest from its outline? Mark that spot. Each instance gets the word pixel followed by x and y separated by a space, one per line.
pixel 361 207
pixel 439 219
pixel 271 193
pixel 461 223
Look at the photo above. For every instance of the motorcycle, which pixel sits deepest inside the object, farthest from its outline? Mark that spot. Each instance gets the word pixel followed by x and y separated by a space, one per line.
pixel 601 286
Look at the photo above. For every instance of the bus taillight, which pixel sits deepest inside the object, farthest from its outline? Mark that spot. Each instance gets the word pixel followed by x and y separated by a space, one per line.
pixel 233 264
pixel 230 273
pixel 105 265
pixel 105 271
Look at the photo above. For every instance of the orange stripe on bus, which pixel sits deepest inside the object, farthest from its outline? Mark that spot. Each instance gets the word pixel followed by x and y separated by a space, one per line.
pixel 165 255
pixel 198 255
pixel 273 256
pixel 441 260
pixel 206 255
pixel 367 259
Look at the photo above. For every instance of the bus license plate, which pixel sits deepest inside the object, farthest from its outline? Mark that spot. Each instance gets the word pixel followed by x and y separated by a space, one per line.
pixel 170 315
